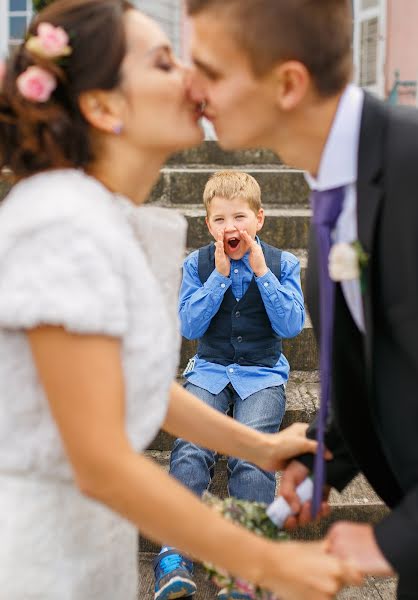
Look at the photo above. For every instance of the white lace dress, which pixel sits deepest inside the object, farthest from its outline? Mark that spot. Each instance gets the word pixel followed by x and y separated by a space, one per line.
pixel 73 254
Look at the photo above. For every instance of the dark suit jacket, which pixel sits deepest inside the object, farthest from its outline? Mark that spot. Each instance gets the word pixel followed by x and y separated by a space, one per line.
pixel 373 426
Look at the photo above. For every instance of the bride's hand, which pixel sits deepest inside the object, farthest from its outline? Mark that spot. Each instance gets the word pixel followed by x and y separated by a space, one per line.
pixel 281 447
pixel 308 571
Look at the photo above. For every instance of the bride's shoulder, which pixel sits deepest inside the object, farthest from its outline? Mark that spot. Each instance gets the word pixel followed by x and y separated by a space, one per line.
pixel 56 196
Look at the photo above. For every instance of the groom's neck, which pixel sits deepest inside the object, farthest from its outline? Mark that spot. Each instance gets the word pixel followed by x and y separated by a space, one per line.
pixel 301 138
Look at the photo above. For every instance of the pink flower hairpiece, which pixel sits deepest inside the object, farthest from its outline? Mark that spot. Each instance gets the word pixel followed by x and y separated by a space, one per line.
pixel 36 84
pixel 50 42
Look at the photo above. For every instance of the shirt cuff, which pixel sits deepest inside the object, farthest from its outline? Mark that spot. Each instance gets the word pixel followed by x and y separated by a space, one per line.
pixel 217 283
pixel 267 283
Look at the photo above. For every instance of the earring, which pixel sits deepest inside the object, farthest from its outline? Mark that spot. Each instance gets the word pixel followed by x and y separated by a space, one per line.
pixel 117 129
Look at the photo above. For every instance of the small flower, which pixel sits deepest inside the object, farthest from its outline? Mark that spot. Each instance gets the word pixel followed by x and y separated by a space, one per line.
pixel 51 42
pixel 347 262
pixel 343 262
pixel 253 516
pixel 36 84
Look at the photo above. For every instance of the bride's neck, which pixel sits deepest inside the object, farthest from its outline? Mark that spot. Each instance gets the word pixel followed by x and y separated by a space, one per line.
pixel 131 174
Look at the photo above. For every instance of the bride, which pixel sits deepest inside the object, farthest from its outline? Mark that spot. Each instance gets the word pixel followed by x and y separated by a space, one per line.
pixel 91 106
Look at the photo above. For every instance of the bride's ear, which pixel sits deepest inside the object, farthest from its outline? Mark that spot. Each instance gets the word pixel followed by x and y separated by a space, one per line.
pixel 101 110
pixel 292 84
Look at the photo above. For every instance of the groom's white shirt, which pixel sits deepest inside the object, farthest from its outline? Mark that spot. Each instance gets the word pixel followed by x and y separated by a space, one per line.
pixel 338 167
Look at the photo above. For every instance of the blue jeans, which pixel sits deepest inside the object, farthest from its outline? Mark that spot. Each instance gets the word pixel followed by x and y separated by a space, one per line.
pixel 193 465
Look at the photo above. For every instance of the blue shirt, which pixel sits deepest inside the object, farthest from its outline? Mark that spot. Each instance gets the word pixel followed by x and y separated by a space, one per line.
pixel 199 303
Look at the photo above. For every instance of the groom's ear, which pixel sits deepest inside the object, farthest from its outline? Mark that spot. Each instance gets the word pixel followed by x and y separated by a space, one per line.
pixel 293 82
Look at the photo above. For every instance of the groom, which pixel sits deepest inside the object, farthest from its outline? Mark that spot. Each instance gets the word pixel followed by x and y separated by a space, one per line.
pixel 275 74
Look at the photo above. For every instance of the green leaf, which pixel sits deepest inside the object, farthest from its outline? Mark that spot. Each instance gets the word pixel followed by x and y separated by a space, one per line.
pixel 39 5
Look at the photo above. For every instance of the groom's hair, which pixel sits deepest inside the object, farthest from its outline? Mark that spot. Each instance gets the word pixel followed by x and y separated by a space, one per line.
pixel 317 33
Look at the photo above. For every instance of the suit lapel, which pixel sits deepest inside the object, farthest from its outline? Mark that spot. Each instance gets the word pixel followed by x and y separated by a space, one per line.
pixel 369 197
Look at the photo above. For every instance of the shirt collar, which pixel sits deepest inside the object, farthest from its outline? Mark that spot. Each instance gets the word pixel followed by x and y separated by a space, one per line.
pixel 338 166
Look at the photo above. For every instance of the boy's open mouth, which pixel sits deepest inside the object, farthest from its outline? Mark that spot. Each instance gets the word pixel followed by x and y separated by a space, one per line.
pixel 233 243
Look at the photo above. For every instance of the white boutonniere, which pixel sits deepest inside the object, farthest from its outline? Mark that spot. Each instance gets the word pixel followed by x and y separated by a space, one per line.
pixel 348 261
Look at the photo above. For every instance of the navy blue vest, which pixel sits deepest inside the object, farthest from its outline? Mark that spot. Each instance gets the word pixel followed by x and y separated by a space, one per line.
pixel 240 332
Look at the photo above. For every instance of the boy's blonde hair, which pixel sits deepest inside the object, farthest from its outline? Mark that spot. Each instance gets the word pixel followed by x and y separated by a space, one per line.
pixel 230 185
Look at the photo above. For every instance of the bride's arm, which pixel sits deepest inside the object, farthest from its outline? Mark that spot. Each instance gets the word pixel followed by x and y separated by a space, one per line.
pixel 190 418
pixel 83 380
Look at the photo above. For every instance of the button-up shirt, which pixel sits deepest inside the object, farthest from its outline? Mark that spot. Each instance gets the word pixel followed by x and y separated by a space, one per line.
pixel 199 303
pixel 338 167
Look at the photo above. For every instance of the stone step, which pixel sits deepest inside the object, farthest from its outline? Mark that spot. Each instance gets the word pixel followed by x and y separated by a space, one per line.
pixel 302 401
pixel 209 153
pixel 374 589
pixel 185 184
pixel 284 227
pixel 301 351
pixel 358 502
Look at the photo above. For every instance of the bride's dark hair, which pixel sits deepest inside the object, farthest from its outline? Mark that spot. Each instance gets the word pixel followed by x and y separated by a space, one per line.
pixel 36 136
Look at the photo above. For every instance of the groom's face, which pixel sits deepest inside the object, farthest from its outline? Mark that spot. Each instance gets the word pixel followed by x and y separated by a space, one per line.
pixel 241 106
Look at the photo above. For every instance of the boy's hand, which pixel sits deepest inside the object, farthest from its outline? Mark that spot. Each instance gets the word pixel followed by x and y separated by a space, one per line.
pixel 222 262
pixel 257 260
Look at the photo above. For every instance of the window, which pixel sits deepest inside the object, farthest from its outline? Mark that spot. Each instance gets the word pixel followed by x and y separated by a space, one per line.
pixel 370 44
pixel 14 20
pixel 366 4
pixel 368 58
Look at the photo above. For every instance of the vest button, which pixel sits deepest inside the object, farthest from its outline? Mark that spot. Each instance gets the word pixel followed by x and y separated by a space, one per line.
pixel 239 339
pixel 237 314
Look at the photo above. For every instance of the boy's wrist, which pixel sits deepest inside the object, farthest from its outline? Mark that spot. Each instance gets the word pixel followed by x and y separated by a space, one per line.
pixel 225 275
pixel 263 271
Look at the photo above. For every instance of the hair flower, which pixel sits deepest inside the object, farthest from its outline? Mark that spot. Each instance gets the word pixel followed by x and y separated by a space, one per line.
pixel 50 42
pixel 36 85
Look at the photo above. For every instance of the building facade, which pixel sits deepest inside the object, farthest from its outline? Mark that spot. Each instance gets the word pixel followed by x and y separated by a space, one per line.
pixel 385 48
pixel 385 40
pixel 169 14
pixel 16 14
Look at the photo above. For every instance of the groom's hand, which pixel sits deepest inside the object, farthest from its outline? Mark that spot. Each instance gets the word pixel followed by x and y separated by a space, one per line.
pixel 292 476
pixel 357 542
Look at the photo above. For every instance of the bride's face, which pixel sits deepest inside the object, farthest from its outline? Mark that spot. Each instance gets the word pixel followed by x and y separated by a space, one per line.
pixel 156 109
pixel 241 106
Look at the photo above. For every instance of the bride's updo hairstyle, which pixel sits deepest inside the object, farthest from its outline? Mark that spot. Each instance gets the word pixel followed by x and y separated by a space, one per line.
pixel 72 46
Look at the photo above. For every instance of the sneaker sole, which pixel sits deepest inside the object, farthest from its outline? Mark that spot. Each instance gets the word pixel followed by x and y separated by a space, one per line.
pixel 176 588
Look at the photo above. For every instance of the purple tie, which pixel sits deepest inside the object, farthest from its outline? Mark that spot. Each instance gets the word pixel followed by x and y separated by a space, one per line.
pixel 326 207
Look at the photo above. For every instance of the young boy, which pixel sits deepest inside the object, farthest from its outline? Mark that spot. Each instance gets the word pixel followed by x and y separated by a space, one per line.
pixel 239 297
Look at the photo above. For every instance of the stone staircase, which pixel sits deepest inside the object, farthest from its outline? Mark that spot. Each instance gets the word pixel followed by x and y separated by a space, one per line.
pixel 285 199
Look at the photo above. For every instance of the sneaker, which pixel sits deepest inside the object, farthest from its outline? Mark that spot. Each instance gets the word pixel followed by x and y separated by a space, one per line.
pixel 173 576
pixel 234 594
